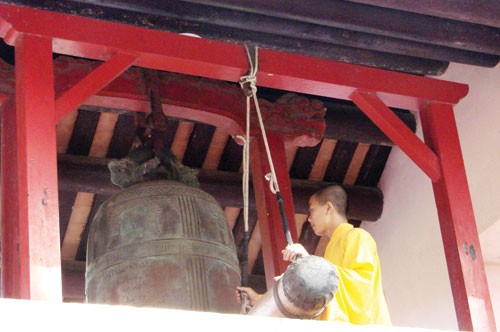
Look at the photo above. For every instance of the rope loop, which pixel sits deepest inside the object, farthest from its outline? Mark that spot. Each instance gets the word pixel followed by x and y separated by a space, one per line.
pixel 242 138
pixel 245 304
pixel 273 182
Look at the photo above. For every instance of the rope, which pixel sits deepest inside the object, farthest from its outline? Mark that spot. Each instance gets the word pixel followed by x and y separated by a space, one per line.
pixel 248 84
pixel 249 87
pixel 245 303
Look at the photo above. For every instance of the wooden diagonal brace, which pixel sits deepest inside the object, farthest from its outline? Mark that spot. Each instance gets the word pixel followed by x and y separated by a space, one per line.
pixel 398 132
pixel 93 83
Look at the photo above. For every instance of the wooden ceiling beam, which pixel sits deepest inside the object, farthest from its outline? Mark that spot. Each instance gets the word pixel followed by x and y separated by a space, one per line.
pixel 349 123
pixel 227 61
pixel 299 37
pixel 373 20
pixel 86 174
pixel 302 35
pixel 484 12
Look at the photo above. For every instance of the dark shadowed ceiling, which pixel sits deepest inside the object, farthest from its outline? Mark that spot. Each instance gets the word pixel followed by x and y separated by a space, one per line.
pixel 416 37
pixel 419 37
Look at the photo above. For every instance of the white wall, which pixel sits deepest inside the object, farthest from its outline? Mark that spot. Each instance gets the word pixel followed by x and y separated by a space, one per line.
pixel 493 274
pixel 415 275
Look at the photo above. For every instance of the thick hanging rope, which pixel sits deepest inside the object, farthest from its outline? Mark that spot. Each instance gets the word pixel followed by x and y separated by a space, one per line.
pixel 248 85
pixel 245 307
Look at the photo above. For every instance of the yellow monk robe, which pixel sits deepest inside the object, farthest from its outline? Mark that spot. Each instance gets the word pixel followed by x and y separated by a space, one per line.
pixel 359 299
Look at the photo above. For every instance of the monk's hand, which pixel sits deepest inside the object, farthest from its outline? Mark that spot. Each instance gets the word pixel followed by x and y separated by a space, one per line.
pixel 293 251
pixel 252 295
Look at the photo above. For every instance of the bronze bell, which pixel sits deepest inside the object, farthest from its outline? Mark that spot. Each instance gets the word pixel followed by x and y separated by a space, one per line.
pixel 162 243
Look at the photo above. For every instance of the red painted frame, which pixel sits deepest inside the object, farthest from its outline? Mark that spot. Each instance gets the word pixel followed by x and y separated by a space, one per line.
pixel 268 213
pixel 30 213
pixel 93 83
pixel 456 219
pixel 34 188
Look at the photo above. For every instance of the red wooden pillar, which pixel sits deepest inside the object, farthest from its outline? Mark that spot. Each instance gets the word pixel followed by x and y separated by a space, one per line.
pixel 31 256
pixel 457 222
pixel 441 160
pixel 270 224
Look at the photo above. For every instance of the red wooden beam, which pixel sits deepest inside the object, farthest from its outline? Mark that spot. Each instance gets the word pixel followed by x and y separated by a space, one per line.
pixel 3 99
pixel 97 39
pixel 30 213
pixel 213 102
pixel 93 83
pixel 398 132
pixel 216 103
pixel 268 213
pixel 457 222
pixel 13 267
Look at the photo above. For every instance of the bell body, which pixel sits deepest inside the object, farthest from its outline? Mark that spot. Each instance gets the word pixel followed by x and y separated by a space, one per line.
pixel 162 244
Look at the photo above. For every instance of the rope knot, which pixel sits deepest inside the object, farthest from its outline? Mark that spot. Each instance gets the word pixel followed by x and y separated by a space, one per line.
pixel 248 85
pixel 248 82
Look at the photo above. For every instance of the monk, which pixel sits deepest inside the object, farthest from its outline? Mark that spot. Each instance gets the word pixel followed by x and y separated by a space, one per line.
pixel 359 298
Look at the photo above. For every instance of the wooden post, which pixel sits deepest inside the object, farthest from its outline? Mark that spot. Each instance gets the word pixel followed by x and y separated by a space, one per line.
pixel 271 229
pixel 457 222
pixel 441 160
pixel 30 219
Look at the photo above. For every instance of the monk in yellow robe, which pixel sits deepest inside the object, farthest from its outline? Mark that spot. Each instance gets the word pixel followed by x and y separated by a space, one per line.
pixel 359 298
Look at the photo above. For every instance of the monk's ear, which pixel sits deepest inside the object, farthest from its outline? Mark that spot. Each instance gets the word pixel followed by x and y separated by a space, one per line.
pixel 330 207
